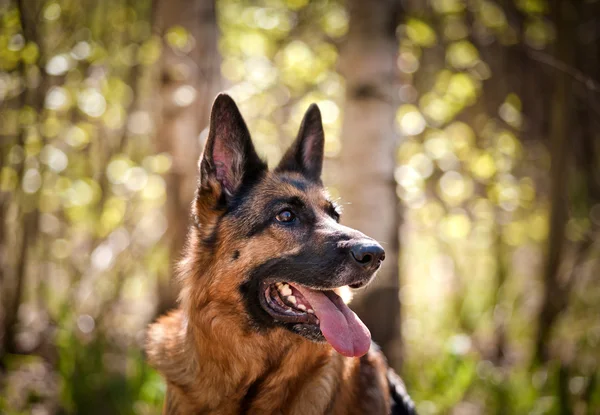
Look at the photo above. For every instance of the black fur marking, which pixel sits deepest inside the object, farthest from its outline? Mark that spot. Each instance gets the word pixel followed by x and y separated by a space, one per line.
pixel 258 228
pixel 293 201
pixel 309 267
pixel 260 319
pixel 252 393
pixel 401 403
pixel 236 255
pixel 298 184
pixel 317 265
pixel 314 266
pixel 256 387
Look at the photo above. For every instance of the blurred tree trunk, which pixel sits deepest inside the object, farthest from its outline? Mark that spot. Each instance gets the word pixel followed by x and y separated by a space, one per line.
pixel 555 294
pixel 368 63
pixel 19 237
pixel 575 178
pixel 190 79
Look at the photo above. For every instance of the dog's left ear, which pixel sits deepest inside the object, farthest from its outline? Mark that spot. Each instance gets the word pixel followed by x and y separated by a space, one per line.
pixel 305 155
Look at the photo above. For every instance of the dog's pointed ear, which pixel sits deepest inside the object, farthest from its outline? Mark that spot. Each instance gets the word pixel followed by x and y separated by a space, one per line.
pixel 229 158
pixel 305 155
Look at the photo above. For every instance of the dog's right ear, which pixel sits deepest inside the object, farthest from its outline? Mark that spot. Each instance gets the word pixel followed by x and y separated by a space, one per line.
pixel 229 157
pixel 305 155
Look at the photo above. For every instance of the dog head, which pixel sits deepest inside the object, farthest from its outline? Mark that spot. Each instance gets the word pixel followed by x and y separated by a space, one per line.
pixel 268 244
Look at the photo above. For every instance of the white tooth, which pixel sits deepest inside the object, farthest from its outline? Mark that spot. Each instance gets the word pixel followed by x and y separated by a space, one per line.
pixel 301 307
pixel 292 299
pixel 286 290
pixel 310 311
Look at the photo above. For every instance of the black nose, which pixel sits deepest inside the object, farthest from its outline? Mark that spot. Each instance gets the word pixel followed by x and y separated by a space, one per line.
pixel 368 254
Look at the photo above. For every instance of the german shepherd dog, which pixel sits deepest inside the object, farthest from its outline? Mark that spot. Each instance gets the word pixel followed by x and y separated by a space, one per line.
pixel 261 327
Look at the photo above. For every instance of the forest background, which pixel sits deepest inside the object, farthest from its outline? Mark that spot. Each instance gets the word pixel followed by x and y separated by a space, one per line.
pixel 462 134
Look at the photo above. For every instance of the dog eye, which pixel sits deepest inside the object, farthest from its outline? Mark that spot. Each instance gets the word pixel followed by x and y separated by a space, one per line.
pixel 285 216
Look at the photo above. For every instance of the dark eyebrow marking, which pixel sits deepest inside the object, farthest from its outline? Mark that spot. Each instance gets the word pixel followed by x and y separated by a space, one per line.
pixel 292 201
pixel 301 185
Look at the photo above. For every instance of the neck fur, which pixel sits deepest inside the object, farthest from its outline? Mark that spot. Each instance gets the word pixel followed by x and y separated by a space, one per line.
pixel 212 359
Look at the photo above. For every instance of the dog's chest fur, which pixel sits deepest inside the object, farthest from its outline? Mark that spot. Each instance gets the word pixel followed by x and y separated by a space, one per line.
pixel 242 373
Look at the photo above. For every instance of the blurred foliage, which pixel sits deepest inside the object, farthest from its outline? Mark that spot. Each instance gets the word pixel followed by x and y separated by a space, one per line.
pixel 280 56
pixel 82 196
pixel 476 229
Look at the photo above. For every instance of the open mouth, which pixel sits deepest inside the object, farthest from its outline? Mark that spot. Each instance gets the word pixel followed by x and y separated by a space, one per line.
pixel 322 310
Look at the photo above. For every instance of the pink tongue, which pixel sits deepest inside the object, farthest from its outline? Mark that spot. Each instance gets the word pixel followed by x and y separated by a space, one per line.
pixel 341 326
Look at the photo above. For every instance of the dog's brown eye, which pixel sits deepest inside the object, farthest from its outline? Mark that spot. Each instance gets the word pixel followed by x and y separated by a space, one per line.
pixel 285 216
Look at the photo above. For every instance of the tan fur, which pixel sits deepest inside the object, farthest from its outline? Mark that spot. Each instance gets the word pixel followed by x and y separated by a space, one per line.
pixel 208 373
